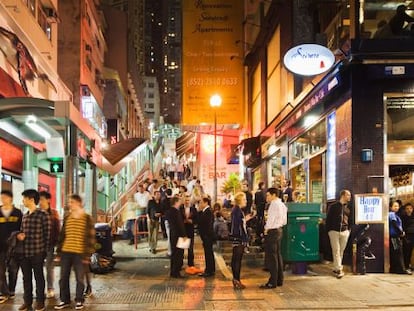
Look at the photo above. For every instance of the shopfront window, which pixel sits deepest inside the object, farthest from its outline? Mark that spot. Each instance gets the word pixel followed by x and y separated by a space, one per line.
pixel 400 145
pixel 385 19
pixel 308 144
pixel 400 117
pixel 306 164
pixel 275 171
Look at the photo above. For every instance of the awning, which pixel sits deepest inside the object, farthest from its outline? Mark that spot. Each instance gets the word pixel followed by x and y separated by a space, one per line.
pixel 185 144
pixel 116 152
pixel 251 145
pixel 252 151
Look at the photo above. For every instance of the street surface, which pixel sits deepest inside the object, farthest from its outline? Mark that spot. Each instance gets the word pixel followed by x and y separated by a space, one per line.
pixel 141 282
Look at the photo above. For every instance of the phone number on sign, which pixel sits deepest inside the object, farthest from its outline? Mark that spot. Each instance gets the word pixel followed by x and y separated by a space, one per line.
pixel 212 81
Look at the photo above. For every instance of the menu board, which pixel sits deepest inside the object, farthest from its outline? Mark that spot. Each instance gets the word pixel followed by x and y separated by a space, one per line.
pixel 316 191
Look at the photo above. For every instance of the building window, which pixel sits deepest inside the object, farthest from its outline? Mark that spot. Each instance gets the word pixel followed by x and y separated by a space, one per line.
pixel 151 85
pixel 31 5
pixel 150 95
pixel 98 43
pixel 151 106
pixel 88 62
pixel 88 18
pixel 44 24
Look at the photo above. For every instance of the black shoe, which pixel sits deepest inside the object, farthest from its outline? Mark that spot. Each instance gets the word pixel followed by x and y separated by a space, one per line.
pixel 206 275
pixel 177 276
pixel 131 242
pixel 267 286
pixel 25 307
pixel 88 292
pixel 279 284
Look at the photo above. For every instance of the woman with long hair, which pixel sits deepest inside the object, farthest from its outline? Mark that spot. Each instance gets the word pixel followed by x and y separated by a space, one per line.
pixel 239 236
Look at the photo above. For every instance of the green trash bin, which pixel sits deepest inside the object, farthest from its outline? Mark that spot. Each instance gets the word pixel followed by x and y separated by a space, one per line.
pixel 300 242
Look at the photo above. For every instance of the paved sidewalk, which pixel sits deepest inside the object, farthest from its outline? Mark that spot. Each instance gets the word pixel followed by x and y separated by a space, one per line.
pixel 141 282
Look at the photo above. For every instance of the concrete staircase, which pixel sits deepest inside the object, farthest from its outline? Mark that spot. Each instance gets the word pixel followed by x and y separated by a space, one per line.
pixel 254 255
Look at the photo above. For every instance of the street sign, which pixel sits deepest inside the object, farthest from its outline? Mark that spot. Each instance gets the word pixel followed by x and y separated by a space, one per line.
pixel 56 167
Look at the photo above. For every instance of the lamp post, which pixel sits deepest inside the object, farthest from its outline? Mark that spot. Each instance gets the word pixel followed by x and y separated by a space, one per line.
pixel 215 102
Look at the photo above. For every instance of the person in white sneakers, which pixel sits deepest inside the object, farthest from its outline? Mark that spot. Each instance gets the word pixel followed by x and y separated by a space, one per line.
pixel 75 246
pixel 44 204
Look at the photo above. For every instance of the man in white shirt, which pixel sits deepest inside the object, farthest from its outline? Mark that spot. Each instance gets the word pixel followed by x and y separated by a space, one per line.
pixel 142 197
pixel 191 184
pixel 276 219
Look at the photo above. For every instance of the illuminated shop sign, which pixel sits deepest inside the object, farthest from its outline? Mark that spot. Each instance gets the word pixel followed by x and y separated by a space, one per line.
pixel 331 157
pixel 308 59
pixel 314 100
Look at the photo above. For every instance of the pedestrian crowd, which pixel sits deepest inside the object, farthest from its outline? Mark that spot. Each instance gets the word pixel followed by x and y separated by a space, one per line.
pixel 181 209
pixel 35 240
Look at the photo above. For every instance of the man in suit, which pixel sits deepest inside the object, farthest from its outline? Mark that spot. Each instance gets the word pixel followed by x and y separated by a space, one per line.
pixel 190 219
pixel 205 228
pixel 177 229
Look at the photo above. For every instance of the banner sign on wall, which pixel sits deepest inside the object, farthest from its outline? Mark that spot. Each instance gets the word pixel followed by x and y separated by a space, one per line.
pixel 212 60
pixel 331 156
pixel 370 208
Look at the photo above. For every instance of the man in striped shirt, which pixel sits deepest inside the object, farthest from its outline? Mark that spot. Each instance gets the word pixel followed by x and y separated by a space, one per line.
pixel 35 234
pixel 75 245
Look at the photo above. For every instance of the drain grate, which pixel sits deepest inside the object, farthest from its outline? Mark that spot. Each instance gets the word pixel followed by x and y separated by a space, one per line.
pixel 167 295
pixel 157 293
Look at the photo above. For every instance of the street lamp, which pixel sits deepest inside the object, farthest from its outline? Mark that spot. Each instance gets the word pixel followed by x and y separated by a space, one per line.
pixel 215 102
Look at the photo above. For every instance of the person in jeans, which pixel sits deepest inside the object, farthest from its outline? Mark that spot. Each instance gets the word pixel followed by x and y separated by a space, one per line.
pixel 338 225
pixel 44 204
pixel 276 219
pixel 35 234
pixel 396 235
pixel 239 236
pixel 407 219
pixel 154 212
pixel 10 221
pixel 75 247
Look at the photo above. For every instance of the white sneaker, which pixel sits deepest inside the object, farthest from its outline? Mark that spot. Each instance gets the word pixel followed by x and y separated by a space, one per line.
pixel 62 305
pixel 340 274
pixel 3 299
pixel 79 306
pixel 50 294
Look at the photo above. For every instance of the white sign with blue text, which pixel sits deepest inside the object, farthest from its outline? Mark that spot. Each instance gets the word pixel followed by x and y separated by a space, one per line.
pixel 309 59
pixel 370 208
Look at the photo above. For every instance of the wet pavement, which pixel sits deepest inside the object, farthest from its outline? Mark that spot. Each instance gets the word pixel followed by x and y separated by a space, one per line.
pixel 141 282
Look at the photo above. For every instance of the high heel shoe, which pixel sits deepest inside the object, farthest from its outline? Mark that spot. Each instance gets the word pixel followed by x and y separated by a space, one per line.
pixel 238 285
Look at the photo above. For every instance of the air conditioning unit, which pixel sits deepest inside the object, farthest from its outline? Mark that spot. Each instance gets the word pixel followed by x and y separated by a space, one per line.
pixel 51 15
pixel 101 82
pixel 85 90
